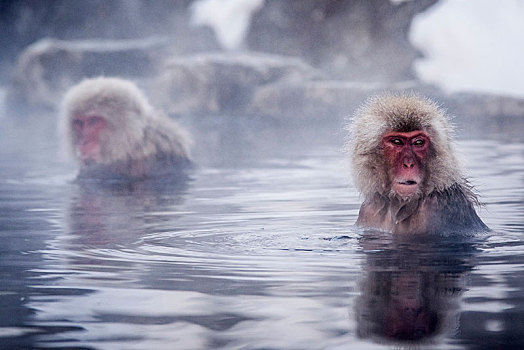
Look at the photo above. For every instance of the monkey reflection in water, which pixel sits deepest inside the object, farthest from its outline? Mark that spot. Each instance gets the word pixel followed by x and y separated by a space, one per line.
pixel 115 134
pixel 405 167
pixel 410 290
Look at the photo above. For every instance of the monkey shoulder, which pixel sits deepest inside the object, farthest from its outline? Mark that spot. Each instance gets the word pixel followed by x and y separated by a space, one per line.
pixel 453 209
pixel 167 154
pixel 166 137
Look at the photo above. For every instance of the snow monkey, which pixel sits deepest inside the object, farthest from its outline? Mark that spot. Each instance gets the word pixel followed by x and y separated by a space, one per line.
pixel 404 166
pixel 114 133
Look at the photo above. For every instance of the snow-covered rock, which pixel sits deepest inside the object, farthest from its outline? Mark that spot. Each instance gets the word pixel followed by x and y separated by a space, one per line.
pixel 47 68
pixel 221 83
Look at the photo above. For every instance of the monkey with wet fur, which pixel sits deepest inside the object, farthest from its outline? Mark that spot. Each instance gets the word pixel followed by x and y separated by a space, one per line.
pixel 405 168
pixel 114 133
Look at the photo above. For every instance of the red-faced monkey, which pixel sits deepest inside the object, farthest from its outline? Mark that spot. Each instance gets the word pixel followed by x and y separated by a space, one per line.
pixel 405 167
pixel 114 132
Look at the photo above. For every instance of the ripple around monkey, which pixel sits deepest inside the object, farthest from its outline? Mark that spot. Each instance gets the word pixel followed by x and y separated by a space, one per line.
pixel 405 167
pixel 114 133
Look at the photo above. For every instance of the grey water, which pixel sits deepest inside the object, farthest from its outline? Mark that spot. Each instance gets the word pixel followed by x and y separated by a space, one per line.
pixel 256 249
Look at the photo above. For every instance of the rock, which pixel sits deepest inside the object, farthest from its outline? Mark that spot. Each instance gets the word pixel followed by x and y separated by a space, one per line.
pixel 486 114
pixel 348 39
pixel 46 69
pixel 323 100
pixel 220 83
pixel 327 102
pixel 23 22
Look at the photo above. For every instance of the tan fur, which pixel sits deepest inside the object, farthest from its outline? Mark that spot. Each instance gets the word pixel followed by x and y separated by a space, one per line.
pixel 136 131
pixel 390 112
pixel 444 200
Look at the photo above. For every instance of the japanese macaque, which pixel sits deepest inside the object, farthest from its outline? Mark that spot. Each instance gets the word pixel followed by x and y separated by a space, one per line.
pixel 114 133
pixel 404 166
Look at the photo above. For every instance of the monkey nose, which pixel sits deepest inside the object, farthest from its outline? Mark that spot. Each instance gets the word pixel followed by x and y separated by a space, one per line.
pixel 408 163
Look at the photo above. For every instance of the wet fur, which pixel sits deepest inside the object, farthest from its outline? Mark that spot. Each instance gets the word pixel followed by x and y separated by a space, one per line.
pixel 139 140
pixel 449 210
pixel 445 201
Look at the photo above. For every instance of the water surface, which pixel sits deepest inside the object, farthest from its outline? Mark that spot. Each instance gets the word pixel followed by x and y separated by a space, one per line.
pixel 255 250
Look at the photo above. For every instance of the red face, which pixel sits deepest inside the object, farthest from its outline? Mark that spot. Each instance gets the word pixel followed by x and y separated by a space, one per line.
pixel 406 153
pixel 86 131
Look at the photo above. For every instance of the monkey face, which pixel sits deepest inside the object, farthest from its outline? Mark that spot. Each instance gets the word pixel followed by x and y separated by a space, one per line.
pixel 87 130
pixel 406 154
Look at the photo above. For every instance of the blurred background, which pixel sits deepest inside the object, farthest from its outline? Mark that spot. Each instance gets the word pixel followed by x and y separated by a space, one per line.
pixel 305 59
pixel 257 248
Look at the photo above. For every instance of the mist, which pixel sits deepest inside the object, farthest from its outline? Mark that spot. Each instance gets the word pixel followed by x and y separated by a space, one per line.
pixel 255 246
pixel 300 63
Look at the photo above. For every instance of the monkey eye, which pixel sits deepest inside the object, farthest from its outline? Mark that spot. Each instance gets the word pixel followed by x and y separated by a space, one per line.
pixel 397 142
pixel 77 123
pixel 94 120
pixel 419 142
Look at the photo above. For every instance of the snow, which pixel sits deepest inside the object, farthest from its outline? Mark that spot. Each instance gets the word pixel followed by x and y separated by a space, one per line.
pixel 472 46
pixel 468 45
pixel 229 19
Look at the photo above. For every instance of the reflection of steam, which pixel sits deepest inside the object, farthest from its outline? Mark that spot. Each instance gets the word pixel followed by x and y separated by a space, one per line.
pixel 410 290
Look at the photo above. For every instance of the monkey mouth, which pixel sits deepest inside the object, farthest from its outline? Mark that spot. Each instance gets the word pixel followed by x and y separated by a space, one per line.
pixel 407 183
pixel 88 152
pixel 405 188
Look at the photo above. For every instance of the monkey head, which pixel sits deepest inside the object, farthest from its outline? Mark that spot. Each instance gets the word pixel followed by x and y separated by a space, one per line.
pixel 103 120
pixel 400 146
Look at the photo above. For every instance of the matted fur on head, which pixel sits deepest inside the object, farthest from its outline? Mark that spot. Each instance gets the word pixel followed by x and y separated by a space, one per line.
pixel 130 120
pixel 403 113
